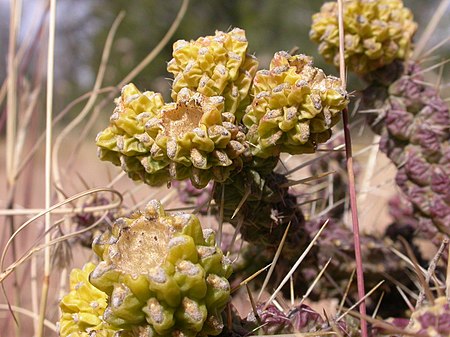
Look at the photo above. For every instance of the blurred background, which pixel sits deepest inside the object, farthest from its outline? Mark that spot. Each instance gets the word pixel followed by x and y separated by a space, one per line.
pixel 82 26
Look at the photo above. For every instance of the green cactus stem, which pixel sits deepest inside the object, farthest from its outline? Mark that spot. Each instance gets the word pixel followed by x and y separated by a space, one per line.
pixel 157 273
pixel 376 33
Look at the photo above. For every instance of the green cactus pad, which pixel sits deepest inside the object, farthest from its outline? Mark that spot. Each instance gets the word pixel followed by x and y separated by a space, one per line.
pixel 215 65
pixel 294 107
pixel 155 142
pixel 377 32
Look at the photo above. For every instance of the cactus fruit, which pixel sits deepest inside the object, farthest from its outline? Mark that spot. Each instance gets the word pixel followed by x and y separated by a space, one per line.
pixel 294 107
pixel 376 33
pixel 155 142
pixel 158 273
pixel 413 121
pixel 215 66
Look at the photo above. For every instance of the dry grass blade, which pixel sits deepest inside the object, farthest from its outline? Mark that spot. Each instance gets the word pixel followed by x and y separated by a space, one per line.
pixel 91 101
pixel 28 313
pixel 49 210
pixel 296 264
pixel 359 301
pixel 37 249
pixel 311 287
pixel 48 162
pixel 422 280
pixel 250 278
pixel 274 261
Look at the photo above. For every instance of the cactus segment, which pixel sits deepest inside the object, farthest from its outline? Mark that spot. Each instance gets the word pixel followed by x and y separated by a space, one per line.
pixel 156 142
pixel 154 276
pixel 376 33
pixel 294 107
pixel 215 66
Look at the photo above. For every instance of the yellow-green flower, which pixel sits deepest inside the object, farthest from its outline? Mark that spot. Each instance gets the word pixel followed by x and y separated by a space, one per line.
pixel 83 308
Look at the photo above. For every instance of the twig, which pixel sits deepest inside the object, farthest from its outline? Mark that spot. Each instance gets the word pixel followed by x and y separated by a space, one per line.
pixel 430 270
pixel 351 177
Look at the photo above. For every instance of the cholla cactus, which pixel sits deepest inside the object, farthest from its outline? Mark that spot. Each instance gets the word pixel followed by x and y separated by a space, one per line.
pixel 261 206
pixel 158 273
pixel 155 142
pixel 376 33
pixel 300 319
pixel 335 242
pixel 433 319
pixel 215 66
pixel 414 122
pixel 294 107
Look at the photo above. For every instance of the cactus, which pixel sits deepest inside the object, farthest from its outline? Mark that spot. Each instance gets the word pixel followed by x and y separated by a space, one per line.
pixel 294 107
pixel 376 33
pixel 413 121
pixel 216 65
pixel 155 142
pixel 158 273
pixel 432 319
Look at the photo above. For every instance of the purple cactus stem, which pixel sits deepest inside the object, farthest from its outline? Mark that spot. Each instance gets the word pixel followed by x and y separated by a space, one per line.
pixel 400 123
pixel 428 139
pixel 417 168
pixel 440 183
pixel 305 319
